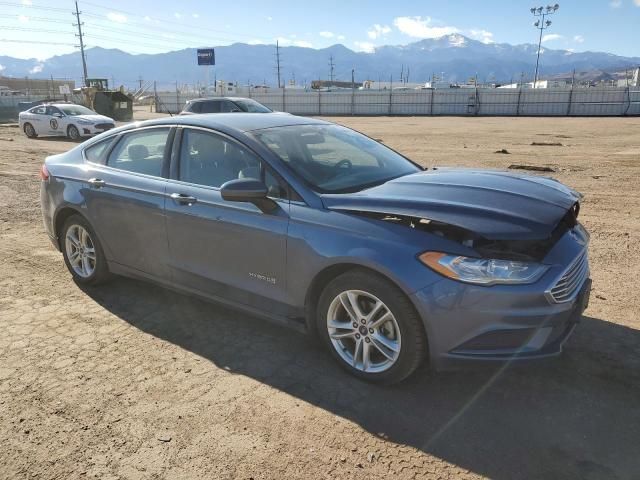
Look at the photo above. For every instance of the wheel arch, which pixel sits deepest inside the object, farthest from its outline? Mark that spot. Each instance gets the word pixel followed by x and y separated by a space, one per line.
pixel 326 275
pixel 24 127
pixel 60 217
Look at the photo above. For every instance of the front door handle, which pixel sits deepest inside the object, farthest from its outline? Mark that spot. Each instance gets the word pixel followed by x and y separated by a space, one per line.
pixel 97 182
pixel 182 199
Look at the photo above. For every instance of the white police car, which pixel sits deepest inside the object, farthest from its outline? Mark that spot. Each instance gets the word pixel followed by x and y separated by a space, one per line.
pixel 63 119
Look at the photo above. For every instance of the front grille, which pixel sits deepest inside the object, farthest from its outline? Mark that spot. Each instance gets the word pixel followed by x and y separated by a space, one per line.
pixel 104 126
pixel 566 287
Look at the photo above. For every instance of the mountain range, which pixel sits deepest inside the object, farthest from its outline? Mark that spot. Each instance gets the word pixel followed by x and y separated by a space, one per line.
pixel 459 57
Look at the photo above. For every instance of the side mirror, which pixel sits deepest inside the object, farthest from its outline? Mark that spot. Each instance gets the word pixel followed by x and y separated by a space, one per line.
pixel 58 115
pixel 247 190
pixel 236 110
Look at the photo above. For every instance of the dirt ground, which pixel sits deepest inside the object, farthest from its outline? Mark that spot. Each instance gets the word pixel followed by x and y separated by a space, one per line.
pixel 131 381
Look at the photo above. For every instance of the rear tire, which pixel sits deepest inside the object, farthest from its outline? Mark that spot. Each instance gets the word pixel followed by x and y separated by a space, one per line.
pixel 83 252
pixel 73 133
pixel 29 131
pixel 371 327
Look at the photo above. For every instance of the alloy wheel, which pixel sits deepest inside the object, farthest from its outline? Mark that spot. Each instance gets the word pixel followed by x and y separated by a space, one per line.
pixel 74 133
pixel 80 251
pixel 363 331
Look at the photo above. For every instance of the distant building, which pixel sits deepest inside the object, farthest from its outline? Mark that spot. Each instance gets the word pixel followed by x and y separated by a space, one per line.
pixel 33 85
pixel 539 84
pixel 386 85
pixel 634 81
pixel 327 84
pixel 437 84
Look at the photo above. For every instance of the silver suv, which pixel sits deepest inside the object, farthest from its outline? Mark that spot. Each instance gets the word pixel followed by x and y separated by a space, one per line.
pixel 224 105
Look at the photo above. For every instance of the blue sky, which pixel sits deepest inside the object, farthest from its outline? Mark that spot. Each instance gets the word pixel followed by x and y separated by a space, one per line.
pixel 153 26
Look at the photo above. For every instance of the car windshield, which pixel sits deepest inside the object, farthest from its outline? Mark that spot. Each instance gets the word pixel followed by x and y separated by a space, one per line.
pixel 72 110
pixel 251 106
pixel 335 159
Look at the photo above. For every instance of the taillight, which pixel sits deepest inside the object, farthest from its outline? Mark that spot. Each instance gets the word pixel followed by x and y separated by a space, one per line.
pixel 44 173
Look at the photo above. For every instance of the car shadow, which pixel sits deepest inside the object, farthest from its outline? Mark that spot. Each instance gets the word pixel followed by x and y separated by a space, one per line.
pixel 57 139
pixel 576 416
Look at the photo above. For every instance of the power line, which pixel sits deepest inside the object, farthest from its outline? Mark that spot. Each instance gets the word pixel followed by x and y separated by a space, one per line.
pixel 79 35
pixel 169 22
pixel 36 19
pixel 8 40
pixel 203 35
pixel 17 4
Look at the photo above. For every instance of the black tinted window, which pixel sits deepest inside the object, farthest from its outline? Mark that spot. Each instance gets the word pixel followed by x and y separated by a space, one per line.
pixel 95 153
pixel 141 152
pixel 249 105
pixel 228 106
pixel 212 106
pixel 195 107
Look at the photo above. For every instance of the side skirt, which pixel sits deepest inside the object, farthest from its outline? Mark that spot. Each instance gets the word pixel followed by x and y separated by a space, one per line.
pixel 297 324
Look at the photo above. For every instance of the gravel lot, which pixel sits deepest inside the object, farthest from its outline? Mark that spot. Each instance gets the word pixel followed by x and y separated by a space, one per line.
pixel 131 381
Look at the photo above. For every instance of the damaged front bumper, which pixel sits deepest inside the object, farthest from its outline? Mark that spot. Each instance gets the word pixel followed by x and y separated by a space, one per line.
pixel 504 322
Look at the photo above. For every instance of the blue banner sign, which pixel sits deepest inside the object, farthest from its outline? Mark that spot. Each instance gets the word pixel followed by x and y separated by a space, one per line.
pixel 206 56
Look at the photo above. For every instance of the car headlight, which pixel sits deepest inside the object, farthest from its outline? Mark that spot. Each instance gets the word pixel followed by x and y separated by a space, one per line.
pixel 483 271
pixel 85 122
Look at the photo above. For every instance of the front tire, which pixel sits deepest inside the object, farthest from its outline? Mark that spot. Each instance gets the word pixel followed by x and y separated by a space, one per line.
pixel 73 133
pixel 83 252
pixel 370 327
pixel 29 131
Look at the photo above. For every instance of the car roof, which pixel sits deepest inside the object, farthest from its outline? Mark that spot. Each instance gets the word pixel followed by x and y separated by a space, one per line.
pixel 208 99
pixel 64 105
pixel 240 122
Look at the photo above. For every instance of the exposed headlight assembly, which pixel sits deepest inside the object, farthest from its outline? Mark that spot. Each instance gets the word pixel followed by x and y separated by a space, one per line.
pixel 483 271
pixel 82 121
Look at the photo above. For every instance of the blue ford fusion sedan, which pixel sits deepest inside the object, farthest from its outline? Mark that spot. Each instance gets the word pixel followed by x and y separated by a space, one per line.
pixel 314 225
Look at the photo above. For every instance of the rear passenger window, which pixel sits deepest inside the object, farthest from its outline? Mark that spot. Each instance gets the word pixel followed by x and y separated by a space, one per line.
pixel 212 106
pixel 140 152
pixel 95 153
pixel 228 107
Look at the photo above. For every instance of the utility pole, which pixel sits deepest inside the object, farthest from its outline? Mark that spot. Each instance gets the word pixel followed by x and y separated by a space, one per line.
pixel 140 82
pixel 542 25
pixel 79 35
pixel 331 67
pixel 278 61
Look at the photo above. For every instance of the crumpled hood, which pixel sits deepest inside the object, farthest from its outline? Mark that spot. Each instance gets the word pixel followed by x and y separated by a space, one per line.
pixel 497 205
pixel 94 118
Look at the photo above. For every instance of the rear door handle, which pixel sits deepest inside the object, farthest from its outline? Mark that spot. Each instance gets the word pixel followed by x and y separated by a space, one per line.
pixel 96 182
pixel 182 199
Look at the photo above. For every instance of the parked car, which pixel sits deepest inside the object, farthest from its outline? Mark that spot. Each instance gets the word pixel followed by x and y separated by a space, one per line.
pixel 319 227
pixel 63 120
pixel 223 105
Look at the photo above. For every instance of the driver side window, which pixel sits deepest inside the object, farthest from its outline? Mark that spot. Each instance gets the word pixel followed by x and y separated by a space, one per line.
pixel 211 160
